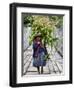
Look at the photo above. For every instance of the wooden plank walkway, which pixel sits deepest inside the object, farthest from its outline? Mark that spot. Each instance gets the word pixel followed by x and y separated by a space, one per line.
pixel 53 66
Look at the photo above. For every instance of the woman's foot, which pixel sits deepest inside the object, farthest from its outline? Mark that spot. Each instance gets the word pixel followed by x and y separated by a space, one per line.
pixel 38 68
pixel 38 72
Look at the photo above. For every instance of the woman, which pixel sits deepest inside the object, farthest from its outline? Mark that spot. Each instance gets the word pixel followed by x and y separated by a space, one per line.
pixel 38 54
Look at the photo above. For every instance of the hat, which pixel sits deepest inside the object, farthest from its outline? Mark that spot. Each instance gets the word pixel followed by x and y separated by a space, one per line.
pixel 37 35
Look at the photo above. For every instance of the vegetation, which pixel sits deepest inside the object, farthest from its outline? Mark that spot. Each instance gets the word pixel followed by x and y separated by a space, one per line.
pixel 44 25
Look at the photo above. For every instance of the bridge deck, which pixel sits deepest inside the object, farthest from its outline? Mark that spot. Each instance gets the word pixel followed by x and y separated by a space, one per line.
pixel 53 66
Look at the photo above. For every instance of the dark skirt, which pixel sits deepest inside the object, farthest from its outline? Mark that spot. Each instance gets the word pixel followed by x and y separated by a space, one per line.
pixel 39 61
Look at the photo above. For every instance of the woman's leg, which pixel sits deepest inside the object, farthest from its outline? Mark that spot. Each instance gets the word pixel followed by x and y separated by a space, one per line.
pixel 41 69
pixel 38 68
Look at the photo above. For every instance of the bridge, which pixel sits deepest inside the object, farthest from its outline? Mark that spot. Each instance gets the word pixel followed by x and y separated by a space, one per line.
pixel 53 66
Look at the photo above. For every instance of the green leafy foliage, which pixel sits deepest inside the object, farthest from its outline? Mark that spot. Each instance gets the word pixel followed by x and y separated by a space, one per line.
pixel 28 20
pixel 46 26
